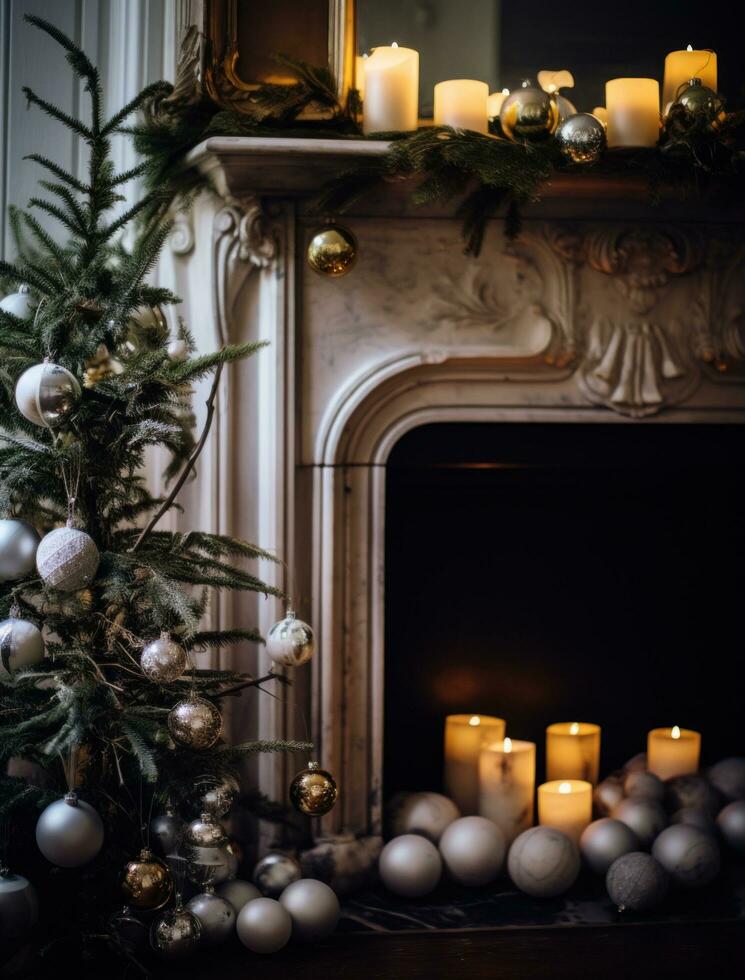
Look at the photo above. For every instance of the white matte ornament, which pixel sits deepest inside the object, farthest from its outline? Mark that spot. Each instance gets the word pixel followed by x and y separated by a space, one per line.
pixel 313 907
pixel 69 833
pixel 543 862
pixel 410 866
pixel 238 893
pixel 19 303
pixel 21 645
pixel 731 824
pixel 604 841
pixel 473 851
pixel 163 660
pixel 274 872
pixel 290 642
pixel 19 909
pixel 689 855
pixel 645 817
pixel 428 814
pixel 177 350
pixel 637 882
pixel 67 559
pixel 18 544
pixel 216 916
pixel 47 394
pixel 264 926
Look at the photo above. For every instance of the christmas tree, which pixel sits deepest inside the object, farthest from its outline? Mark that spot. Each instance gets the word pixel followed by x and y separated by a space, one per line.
pixel 102 608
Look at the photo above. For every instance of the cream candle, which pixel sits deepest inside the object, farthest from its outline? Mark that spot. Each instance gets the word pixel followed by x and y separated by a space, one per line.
pixel 507 785
pixel 673 751
pixel 494 103
pixel 391 87
pixel 462 104
pixel 601 114
pixel 359 74
pixel 464 736
pixel 573 751
pixel 681 66
pixel 633 106
pixel 565 804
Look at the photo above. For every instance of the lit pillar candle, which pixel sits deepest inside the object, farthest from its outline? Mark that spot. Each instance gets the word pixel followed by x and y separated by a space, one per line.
pixel 464 735
pixel 633 106
pixel 573 751
pixel 359 74
pixel 601 114
pixel 673 751
pixel 565 804
pixel 494 103
pixel 681 66
pixel 391 87
pixel 461 103
pixel 507 785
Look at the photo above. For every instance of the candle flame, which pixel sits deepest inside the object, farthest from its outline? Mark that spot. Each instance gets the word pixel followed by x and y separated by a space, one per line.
pixel 565 787
pixel 507 745
pixel 574 728
pixel 394 44
pixel 689 48
pixel 675 733
pixel 474 720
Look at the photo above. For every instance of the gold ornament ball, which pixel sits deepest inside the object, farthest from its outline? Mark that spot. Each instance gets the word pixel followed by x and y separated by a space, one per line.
pixel 529 113
pixel 313 791
pixel 147 882
pixel 332 251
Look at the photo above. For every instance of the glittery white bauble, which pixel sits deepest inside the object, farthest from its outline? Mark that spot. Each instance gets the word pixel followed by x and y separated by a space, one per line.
pixel 728 777
pixel 19 908
pixel 47 394
pixel 428 814
pixel 195 723
pixel 18 544
pixel 21 645
pixel 216 916
pixel 274 872
pixel 604 841
pixel 264 926
pixel 163 660
pixel 67 559
pixel 69 833
pixel 313 908
pixel 290 642
pixel 543 862
pixel 731 824
pixel 636 882
pixel 410 865
pixel 645 817
pixel 18 304
pixel 238 893
pixel 473 851
pixel 177 350
pixel 689 855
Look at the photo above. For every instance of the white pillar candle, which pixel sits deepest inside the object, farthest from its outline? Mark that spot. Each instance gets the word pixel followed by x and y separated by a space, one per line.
pixel 494 103
pixel 601 114
pixel 391 87
pixel 565 804
pixel 573 751
pixel 359 74
pixel 507 785
pixel 681 66
pixel 633 106
pixel 673 751
pixel 464 736
pixel 461 103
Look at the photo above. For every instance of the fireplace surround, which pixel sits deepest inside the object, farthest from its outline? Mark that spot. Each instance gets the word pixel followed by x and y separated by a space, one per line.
pixel 605 311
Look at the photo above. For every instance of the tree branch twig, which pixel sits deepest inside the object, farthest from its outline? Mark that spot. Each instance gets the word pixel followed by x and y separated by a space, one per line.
pixel 237 688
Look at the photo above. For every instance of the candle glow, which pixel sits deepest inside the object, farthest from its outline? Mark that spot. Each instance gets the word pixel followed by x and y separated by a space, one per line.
pixel 565 805
pixel 464 736
pixel 462 104
pixel 633 106
pixel 573 751
pixel 673 751
pixel 391 87
pixel 507 785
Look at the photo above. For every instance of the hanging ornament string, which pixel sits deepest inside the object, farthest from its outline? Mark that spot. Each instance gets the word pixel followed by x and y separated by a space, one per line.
pixel 70 768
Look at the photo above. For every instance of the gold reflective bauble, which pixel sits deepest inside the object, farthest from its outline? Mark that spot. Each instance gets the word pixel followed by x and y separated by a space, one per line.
pixel 332 251
pixel 529 113
pixel 147 882
pixel 313 791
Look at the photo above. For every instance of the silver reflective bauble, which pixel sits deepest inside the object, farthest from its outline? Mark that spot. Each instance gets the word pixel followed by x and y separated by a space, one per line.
pixel 605 840
pixel 21 645
pixel 543 862
pixel 410 865
pixel 290 642
pixel 646 818
pixel 692 790
pixel 313 907
pixel 216 916
pixel 565 107
pixel 473 850
pixel 47 394
pixel 428 814
pixel 175 933
pixel 216 798
pixel 67 559
pixel 274 872
pixel 689 855
pixel 698 102
pixel 18 544
pixel 238 893
pixel 19 303
pixel 728 778
pixel 69 833
pixel 195 723
pixel 205 848
pixel 637 882
pixel 641 785
pixel 19 909
pixel 731 824
pixel 581 138
pixel 529 113
pixel 205 831
pixel 166 832
pixel 263 926
pixel 163 660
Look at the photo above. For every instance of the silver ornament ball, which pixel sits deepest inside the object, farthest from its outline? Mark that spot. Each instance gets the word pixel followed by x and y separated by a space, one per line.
pixel 565 106
pixel 175 933
pixel 216 916
pixel 646 818
pixel 692 790
pixel 67 559
pixel 211 865
pixel 274 872
pixel 290 642
pixel 410 866
pixel 47 394
pixel 216 797
pixel 428 814
pixel 19 303
pixel 163 660
pixel 637 882
pixel 543 862
pixel 69 833
pixel 726 776
pixel 473 850
pixel 604 841
pixel 205 831
pixel 581 138
pixel 18 544
pixel 636 763
pixel 19 909
pixel 313 908
pixel 731 824
pixel 21 645
pixel 195 723
pixel 264 926
pixel 238 893
pixel 607 795
pixel 695 818
pixel 529 113
pixel 167 831
pixel 640 785
pixel 689 855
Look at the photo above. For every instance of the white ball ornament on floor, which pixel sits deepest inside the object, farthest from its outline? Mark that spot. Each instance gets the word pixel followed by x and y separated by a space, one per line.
pixel 47 394
pixel 641 785
pixel 216 916
pixel 731 824
pixel 313 908
pixel 238 893
pixel 689 855
pixel 473 851
pixel 726 776
pixel 637 882
pixel 290 642
pixel 19 909
pixel 645 817
pixel 428 814
pixel 19 303
pixel 163 660
pixel 264 926
pixel 69 833
pixel 21 645
pixel 18 544
pixel 67 559
pixel 410 866
pixel 274 872
pixel 543 862
pixel 604 841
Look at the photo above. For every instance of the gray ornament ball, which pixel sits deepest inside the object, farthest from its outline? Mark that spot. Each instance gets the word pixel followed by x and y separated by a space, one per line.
pixel 238 893
pixel 274 872
pixel 19 909
pixel 636 762
pixel 640 785
pixel 67 559
pixel 21 645
pixel 166 832
pixel 637 882
pixel 216 916
pixel 69 833
pixel 473 851
pixel 47 394
pixel 163 660
pixel 604 841
pixel 410 866
pixel 428 814
pixel 543 862
pixel 691 790
pixel 727 777
pixel 529 113
pixel 695 818
pixel 264 926
pixel 689 855
pixel 18 544
pixel 607 795
pixel 731 824
pixel 19 303
pixel 290 642
pixel 195 723
pixel 645 817
pixel 313 908
pixel 581 138
pixel 175 933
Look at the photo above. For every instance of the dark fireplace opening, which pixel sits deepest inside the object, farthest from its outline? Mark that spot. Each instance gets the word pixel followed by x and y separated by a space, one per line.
pixel 562 572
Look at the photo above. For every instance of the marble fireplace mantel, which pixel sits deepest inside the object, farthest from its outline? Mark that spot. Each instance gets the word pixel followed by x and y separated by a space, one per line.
pixel 605 309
